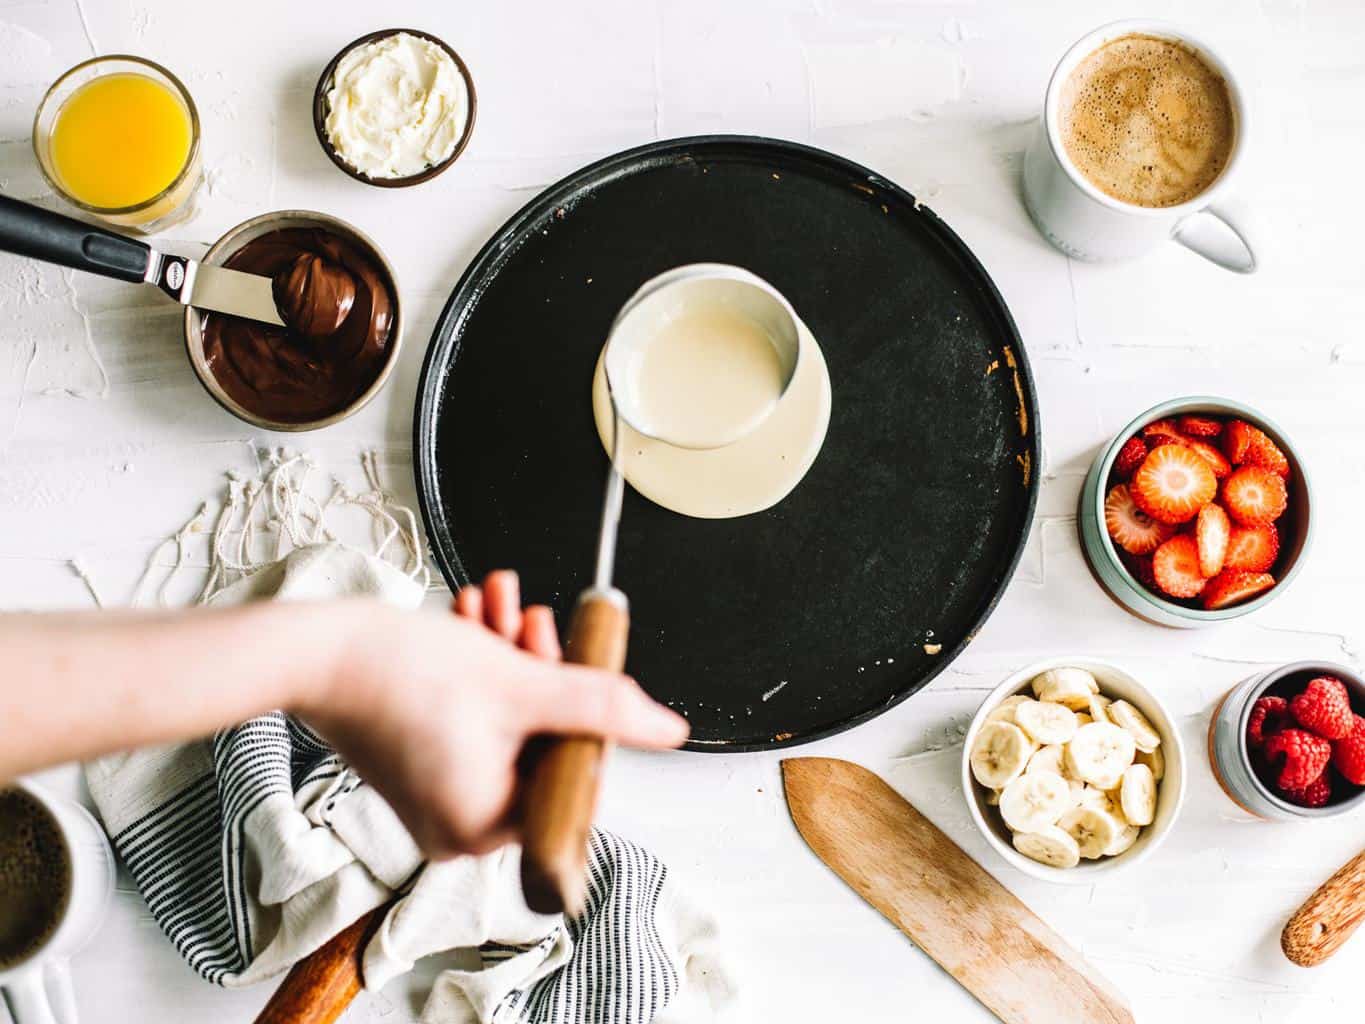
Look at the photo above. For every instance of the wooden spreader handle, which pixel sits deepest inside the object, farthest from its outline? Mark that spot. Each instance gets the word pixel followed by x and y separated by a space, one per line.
pixel 319 987
pixel 561 793
pixel 1328 918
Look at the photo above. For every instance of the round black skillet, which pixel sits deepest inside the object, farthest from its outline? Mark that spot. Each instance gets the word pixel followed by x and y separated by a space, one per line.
pixel 854 592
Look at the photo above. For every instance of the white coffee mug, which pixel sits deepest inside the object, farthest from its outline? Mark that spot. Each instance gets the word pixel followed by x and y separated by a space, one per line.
pixel 38 990
pixel 1085 223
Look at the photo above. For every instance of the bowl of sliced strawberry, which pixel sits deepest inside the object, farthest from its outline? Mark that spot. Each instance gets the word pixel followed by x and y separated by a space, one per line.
pixel 1289 744
pixel 1197 512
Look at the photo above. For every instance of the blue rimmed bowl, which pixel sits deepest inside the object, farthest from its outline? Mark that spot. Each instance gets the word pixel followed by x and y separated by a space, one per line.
pixel 1296 526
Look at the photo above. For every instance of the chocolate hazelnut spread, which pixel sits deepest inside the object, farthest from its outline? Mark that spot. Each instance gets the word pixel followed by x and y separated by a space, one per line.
pixel 338 303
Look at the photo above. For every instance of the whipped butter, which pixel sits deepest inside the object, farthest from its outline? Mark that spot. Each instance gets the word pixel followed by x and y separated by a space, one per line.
pixel 397 106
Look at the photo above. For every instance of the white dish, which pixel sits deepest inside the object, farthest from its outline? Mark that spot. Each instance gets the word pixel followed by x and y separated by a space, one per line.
pixel 1116 684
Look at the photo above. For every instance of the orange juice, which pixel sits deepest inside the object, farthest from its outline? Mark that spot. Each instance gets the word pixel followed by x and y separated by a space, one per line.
pixel 119 140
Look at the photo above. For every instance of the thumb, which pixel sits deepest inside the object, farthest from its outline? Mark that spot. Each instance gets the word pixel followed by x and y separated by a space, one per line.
pixel 573 699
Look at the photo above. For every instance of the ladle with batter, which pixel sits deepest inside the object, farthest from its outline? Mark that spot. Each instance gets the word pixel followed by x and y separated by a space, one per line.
pixel 698 358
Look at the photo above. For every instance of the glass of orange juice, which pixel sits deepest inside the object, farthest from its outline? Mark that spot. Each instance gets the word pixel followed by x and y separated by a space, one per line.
pixel 118 137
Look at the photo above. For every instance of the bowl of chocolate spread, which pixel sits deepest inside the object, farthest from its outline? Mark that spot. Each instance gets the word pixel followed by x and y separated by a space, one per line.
pixel 338 297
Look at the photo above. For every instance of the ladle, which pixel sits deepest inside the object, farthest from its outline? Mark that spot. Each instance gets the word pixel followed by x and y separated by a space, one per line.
pixel 561 793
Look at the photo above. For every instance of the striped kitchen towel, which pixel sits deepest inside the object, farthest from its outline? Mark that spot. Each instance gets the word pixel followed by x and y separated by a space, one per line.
pixel 255 848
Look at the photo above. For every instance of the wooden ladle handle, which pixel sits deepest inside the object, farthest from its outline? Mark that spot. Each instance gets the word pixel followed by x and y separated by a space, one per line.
pixel 1328 917
pixel 561 793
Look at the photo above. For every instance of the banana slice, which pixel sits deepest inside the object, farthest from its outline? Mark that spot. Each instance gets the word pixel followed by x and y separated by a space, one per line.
pixel 1050 758
pixel 1069 686
pixel 1125 839
pixel 1051 846
pixel 1004 711
pixel 1099 707
pixel 1093 830
pixel 1096 800
pixel 1127 717
pixel 1000 754
pixel 1078 789
pixel 1153 759
pixel 1137 798
pixel 1045 722
pixel 1098 754
pixel 1034 801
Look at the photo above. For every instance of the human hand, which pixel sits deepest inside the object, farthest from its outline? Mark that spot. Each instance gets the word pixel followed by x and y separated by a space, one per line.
pixel 435 710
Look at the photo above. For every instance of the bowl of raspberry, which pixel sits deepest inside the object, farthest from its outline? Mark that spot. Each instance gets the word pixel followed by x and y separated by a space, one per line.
pixel 1197 512
pixel 1289 744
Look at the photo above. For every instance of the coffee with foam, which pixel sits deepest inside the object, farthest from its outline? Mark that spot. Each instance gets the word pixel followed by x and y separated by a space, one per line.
pixel 1147 121
pixel 35 876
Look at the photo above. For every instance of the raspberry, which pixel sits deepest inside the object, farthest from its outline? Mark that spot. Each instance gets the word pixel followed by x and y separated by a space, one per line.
pixel 1268 716
pixel 1315 794
pixel 1324 708
pixel 1304 757
pixel 1130 457
pixel 1348 755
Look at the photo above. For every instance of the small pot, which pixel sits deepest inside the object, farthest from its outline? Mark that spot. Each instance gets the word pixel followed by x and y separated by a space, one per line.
pixel 324 86
pixel 233 240
pixel 1296 527
pixel 1231 760
pixel 1116 683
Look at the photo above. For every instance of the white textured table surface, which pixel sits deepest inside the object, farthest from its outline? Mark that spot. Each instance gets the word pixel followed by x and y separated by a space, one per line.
pixel 107 442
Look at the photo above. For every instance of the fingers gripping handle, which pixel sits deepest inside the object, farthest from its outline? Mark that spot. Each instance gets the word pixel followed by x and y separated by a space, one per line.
pixel 1328 918
pixel 561 794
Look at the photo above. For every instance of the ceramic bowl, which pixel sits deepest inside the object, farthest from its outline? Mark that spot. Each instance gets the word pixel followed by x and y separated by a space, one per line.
pixel 320 108
pixel 234 240
pixel 1296 527
pixel 1116 683
pixel 1231 759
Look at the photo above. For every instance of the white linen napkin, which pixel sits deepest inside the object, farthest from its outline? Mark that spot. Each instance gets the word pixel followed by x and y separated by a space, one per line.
pixel 255 848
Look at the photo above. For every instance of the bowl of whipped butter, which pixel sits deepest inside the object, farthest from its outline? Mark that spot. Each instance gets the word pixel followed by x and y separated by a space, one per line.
pixel 394 108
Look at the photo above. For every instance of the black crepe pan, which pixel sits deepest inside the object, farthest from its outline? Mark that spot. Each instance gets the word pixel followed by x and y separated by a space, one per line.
pixel 864 583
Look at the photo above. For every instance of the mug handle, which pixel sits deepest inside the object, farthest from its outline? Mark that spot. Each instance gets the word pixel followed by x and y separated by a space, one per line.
pixel 27 999
pixel 1219 234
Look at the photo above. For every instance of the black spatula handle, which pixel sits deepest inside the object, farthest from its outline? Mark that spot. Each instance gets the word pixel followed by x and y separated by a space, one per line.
pixel 32 231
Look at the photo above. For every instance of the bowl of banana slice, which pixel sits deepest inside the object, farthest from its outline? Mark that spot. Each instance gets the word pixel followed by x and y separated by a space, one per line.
pixel 1072 768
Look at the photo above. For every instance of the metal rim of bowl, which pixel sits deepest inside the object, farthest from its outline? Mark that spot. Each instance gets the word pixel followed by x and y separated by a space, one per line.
pixel 1354 683
pixel 191 158
pixel 1194 404
pixel 228 244
pixel 320 110
pixel 1017 682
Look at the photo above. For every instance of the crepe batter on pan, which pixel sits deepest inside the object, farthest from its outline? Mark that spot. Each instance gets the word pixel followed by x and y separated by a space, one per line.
pixel 749 475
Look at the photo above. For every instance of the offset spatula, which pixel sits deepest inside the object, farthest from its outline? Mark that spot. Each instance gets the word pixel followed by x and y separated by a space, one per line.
pixel 893 857
pixel 43 235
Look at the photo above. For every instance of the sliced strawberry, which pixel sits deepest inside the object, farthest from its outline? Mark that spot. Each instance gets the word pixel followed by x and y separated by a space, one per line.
pixel 1266 453
pixel 1140 567
pixel 1173 483
pixel 1211 532
pixel 1237 441
pixel 1221 466
pixel 1132 529
pixel 1246 445
pixel 1176 567
pixel 1161 432
pixel 1252 495
pixel 1130 456
pixel 1232 586
pixel 1199 426
pixel 1252 548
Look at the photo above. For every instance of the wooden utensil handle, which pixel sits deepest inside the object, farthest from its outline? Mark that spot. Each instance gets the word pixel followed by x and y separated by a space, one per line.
pixel 1328 918
pixel 561 793
pixel 319 987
